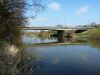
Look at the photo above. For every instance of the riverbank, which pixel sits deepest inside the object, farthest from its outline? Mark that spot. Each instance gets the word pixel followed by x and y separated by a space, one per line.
pixel 55 44
pixel 77 42
pixel 93 33
pixel 13 60
pixel 8 55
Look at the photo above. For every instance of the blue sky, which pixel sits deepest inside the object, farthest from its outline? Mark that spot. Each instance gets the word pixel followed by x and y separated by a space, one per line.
pixel 67 13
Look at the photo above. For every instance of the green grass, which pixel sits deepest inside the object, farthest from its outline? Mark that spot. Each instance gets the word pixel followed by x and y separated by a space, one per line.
pixel 93 33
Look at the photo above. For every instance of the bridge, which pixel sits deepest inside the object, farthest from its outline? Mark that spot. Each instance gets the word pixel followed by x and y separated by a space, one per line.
pixel 61 31
pixel 55 28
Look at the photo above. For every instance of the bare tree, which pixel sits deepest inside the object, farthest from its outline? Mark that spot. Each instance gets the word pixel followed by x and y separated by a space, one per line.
pixel 12 16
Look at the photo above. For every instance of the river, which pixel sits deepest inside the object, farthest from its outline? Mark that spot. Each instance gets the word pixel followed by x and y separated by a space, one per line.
pixel 65 59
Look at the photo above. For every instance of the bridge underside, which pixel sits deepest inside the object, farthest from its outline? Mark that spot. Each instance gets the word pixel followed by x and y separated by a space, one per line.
pixel 63 33
pixel 80 31
pixel 66 33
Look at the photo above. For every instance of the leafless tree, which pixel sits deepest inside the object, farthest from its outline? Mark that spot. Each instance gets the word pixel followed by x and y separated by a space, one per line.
pixel 12 16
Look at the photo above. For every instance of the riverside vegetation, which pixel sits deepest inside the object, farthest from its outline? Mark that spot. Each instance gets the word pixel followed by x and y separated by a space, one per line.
pixel 93 33
pixel 13 57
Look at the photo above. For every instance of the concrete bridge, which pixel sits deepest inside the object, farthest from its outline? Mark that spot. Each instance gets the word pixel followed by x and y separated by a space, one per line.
pixel 55 28
pixel 61 31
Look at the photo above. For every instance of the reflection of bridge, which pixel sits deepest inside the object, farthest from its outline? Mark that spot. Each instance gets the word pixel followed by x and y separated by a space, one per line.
pixel 61 31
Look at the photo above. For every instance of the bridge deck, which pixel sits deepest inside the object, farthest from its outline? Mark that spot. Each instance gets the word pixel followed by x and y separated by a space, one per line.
pixel 55 28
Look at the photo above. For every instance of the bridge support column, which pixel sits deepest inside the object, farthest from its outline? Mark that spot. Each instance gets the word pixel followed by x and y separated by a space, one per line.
pixel 60 33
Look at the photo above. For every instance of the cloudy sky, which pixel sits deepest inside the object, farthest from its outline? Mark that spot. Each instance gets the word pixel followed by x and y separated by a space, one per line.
pixel 67 13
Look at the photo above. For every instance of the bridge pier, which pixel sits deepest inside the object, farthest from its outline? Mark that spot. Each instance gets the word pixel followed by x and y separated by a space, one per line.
pixel 60 33
pixel 69 33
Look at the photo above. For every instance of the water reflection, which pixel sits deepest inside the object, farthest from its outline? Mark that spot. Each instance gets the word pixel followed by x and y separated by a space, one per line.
pixel 81 59
pixel 62 39
pixel 54 41
pixel 68 60
pixel 94 43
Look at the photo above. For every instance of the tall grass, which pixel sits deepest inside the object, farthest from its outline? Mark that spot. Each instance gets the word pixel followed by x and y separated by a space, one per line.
pixel 12 60
pixel 94 33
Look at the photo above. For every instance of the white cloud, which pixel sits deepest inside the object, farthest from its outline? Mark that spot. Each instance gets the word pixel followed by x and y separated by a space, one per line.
pixel 54 6
pixel 38 19
pixel 82 10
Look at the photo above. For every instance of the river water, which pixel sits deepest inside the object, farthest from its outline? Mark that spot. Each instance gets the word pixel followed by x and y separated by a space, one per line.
pixel 71 59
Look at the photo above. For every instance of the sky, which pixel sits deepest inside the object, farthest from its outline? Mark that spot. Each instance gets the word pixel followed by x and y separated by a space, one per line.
pixel 67 13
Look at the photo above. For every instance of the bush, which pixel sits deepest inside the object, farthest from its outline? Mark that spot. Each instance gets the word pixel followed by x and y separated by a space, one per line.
pixel 94 33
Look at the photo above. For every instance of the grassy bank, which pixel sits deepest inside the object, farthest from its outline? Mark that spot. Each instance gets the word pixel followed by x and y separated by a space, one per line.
pixel 93 33
pixel 14 61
